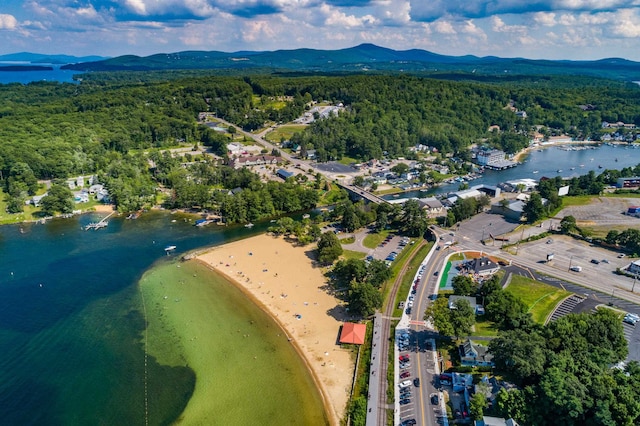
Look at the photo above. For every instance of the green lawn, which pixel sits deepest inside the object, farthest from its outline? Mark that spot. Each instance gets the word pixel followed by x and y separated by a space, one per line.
pixel 540 298
pixel 284 132
pixel 347 161
pixel 484 327
pixel 348 240
pixel 350 254
pixel 373 240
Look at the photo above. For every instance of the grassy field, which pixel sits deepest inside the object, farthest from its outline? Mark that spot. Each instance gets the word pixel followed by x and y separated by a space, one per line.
pixel 484 327
pixel 348 240
pixel 284 132
pixel 373 240
pixel 540 298
pixel 350 254
pixel 347 161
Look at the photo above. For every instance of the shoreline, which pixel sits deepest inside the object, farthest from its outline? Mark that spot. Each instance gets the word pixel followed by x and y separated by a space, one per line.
pixel 328 407
pixel 306 313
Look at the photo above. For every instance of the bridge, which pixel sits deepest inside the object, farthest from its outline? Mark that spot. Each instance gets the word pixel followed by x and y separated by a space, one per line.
pixel 359 193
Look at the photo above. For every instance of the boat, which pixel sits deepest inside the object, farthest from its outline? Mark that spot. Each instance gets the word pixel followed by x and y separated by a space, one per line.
pixel 535 171
pixel 559 170
pixel 249 225
pixel 581 165
pixel 306 216
pixel 599 166
pixel 202 222
pixel 573 168
pixel 169 248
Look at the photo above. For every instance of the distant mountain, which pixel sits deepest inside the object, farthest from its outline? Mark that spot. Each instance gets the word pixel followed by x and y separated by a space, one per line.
pixel 365 57
pixel 38 58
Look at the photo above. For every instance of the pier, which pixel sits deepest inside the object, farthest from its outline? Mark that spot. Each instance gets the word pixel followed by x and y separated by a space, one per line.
pixel 101 224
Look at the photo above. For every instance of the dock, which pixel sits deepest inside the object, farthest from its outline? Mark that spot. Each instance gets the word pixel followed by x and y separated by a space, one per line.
pixel 101 224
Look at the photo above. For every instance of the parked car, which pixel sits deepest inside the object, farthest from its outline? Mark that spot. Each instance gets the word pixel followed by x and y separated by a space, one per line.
pixel 630 318
pixel 621 255
pixel 405 401
pixel 405 375
pixel 404 357
pixel 595 261
pixel 405 384
pixel 435 400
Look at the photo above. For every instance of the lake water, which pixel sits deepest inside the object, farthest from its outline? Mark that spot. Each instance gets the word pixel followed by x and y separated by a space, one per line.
pixel 549 162
pixel 24 77
pixel 71 324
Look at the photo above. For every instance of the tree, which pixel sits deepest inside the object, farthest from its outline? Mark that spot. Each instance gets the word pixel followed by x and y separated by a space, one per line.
pixel 463 317
pixel 568 224
pixel 533 209
pixel 329 248
pixel 521 354
pixel 400 169
pixel 463 285
pixel 477 405
pixel 414 218
pixel 440 315
pixel 59 198
pixel 358 180
pixel 363 299
pixel 504 308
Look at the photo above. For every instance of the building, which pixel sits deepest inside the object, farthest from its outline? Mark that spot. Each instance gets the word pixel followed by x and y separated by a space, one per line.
pixel 253 160
pixel 483 266
pixel 432 205
pixel 495 421
pixel 353 334
pixel 512 210
pixel 490 156
pixel 473 355
pixel 284 174
pixel 628 182
pixel 477 308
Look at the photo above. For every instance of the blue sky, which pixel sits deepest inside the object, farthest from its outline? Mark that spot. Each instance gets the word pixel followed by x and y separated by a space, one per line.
pixel 547 29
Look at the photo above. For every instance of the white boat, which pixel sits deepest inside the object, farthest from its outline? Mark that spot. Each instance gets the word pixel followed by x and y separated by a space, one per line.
pixel 559 170
pixel 249 225
pixel 535 171
pixel 169 248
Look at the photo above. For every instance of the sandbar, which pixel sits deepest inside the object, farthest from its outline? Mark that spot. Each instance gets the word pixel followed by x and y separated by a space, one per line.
pixel 284 280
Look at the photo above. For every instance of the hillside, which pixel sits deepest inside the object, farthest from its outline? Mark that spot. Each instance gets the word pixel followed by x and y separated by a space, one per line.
pixel 365 57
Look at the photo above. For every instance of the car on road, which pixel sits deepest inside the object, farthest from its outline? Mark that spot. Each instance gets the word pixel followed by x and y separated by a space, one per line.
pixel 435 400
pixel 457 414
pixel 630 318
pixel 433 296
pixel 576 268
pixel 595 261
pixel 604 261
pixel 435 274
pixel 405 384
pixel 549 241
pixel 405 375
pixel 416 382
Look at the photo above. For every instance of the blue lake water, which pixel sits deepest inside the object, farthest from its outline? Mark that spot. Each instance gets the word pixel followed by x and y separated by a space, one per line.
pixel 551 162
pixel 24 77
pixel 70 322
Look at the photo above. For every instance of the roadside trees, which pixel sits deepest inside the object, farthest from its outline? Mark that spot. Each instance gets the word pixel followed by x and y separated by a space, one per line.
pixel 329 248
pixel 463 285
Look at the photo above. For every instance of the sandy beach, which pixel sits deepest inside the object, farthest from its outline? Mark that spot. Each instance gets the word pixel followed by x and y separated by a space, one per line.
pixel 282 279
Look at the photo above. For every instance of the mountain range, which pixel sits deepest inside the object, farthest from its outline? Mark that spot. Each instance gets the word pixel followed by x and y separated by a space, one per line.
pixel 362 58
pixel 40 58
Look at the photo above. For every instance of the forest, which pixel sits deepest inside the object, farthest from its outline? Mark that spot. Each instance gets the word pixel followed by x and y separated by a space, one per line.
pixel 112 126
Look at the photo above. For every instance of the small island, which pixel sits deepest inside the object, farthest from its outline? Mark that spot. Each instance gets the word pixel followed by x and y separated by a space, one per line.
pixel 25 68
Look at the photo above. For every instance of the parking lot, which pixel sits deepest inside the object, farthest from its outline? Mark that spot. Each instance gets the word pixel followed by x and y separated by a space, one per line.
pixel 604 211
pixel 570 253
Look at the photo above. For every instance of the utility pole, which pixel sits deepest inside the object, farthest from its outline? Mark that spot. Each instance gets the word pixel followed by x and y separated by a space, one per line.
pixel 570 259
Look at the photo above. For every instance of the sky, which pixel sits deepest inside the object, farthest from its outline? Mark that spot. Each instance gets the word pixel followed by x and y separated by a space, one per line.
pixel 536 29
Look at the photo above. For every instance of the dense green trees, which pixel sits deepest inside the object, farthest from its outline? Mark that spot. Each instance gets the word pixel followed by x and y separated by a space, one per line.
pixel 329 248
pixel 451 322
pixel 59 199
pixel 565 375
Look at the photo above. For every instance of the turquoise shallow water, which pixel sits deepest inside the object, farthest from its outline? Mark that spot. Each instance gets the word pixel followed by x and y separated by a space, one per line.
pixel 70 320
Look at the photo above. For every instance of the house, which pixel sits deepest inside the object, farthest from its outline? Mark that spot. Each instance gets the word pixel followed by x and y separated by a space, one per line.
pixel 461 381
pixel 432 205
pixel 35 200
pixel 353 334
pixel 103 196
pixel 284 174
pixel 235 148
pixel 477 308
pixel 95 188
pixel 311 154
pixel 81 196
pixel 483 266
pixel 474 355
pixel 521 114
pixel 495 421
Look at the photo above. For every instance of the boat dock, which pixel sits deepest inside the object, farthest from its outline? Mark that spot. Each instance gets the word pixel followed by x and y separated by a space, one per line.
pixel 101 224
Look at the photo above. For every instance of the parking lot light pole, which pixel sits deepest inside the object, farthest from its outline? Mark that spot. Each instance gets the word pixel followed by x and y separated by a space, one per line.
pixel 570 259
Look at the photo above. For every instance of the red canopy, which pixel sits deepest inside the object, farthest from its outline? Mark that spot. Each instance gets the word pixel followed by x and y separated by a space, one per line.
pixel 353 333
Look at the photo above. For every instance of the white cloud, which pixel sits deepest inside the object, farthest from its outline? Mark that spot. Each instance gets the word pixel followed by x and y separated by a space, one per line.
pixel 334 17
pixel 627 24
pixel 443 27
pixel 499 26
pixel 546 19
pixel 8 22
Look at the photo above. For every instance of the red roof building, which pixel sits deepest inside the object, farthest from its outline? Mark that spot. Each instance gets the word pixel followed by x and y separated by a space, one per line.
pixel 353 333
